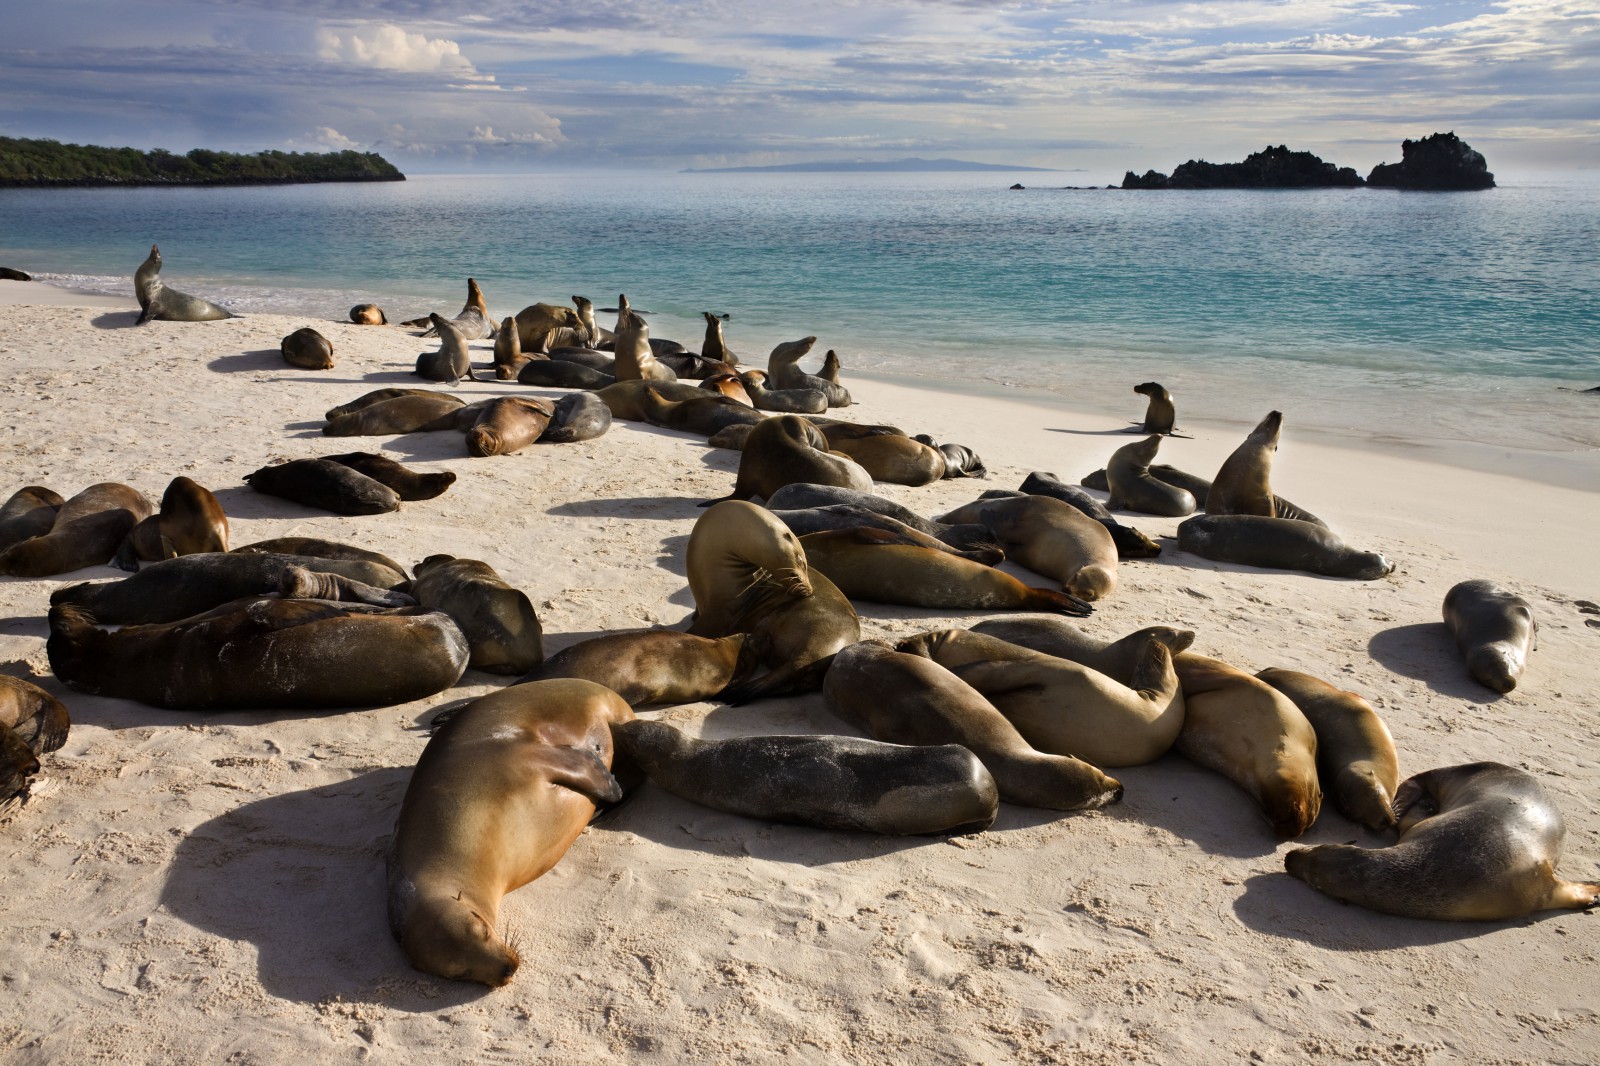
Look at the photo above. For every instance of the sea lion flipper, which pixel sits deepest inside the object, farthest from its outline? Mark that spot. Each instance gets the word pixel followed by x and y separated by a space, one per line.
pixel 581 770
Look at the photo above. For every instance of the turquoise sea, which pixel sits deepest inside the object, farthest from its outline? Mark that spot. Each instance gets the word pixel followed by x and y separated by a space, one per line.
pixel 1364 311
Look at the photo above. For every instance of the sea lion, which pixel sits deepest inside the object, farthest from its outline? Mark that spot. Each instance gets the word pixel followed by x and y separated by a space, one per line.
pixel 414 411
pixel 1133 489
pixel 592 333
pixel 541 326
pixel 326 485
pixel 733 548
pixel 378 396
pixel 499 622
pixel 1253 735
pixel 407 483
pixel 560 374
pixel 191 521
pixel 578 416
pixel 87 531
pixel 729 385
pixel 1066 708
pixel 689 365
pixel 1050 538
pixel 795 638
pixel 508 357
pixel 506 425
pixel 626 398
pixel 472 321
pixel 1199 488
pixel 787 401
pixel 649 665
pixel 635 358
pixel 1243 485
pixel 1130 543
pixel 262 653
pixel 157 302
pixel 830 367
pixel 451 362
pixel 1160 415
pixel 826 781
pixel 296 582
pixel 368 315
pixel 807 520
pixel 784 373
pixel 907 699
pixel 498 796
pixel 714 347
pixel 589 357
pixel 308 349
pixel 32 723
pixel 1278 544
pixel 1355 753
pixel 1053 635
pixel 317 548
pixel 28 513
pixel 785 449
pixel 959 460
pixel 13 274
pixel 969 536
pixel 175 589
pixel 1478 842
pixel 896 460
pixel 883 567
pixel 706 414
pixel 1494 629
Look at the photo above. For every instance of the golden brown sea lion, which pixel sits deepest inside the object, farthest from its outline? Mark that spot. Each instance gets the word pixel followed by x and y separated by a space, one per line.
pixel 1244 484
pixel 784 372
pixel 649 665
pixel 734 547
pixel 1355 753
pixel 413 410
pixel 729 385
pixel 499 622
pixel 785 449
pixel 706 414
pixel 1050 538
pixel 539 327
pixel 508 357
pixel 894 459
pixel 1493 628
pixel 307 349
pixel 32 723
pixel 28 513
pixel 508 424
pixel 626 398
pixel 368 315
pixel 635 361
pixel 87 532
pixel 191 521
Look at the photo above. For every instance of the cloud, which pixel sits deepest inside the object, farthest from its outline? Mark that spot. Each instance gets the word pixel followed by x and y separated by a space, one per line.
pixel 389 47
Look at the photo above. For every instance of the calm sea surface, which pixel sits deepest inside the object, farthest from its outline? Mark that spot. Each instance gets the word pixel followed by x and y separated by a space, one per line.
pixel 1406 315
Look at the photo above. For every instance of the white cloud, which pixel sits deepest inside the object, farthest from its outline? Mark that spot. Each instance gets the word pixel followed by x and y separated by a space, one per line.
pixel 390 47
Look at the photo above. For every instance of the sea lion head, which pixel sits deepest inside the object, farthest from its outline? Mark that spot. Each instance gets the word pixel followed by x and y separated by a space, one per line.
pixel 1092 583
pixel 450 938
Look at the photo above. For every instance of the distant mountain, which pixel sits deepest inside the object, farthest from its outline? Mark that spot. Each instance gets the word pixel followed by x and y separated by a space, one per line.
pixel 893 166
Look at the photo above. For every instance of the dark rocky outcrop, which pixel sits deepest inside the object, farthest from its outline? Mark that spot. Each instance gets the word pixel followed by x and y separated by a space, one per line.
pixel 1442 161
pixel 1271 168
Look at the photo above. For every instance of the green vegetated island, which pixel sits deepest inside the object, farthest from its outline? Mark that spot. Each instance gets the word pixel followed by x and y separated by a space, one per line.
pixel 1442 161
pixel 46 164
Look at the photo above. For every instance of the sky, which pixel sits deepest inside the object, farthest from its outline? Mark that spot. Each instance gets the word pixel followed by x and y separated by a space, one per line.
pixel 1093 87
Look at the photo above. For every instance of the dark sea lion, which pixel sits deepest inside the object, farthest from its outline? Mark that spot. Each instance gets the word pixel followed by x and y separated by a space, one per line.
pixel 827 781
pixel 28 513
pixel 830 367
pixel 499 622
pixel 317 548
pixel 706 414
pixel 87 532
pixel 326 485
pixel 1160 415
pixel 578 416
pixel 649 665
pixel 407 483
pixel 378 396
pixel 1494 629
pixel 262 653
pixel 508 357
pixel 589 357
pixel 784 372
pixel 13 274
pixel 191 521
pixel 1134 489
pixel 159 303
pixel 1066 708
pixel 636 360
pixel 907 699
pixel 729 385
pixel 837 429
pixel 1253 735
pixel 787 401
pixel 308 349
pixel 970 536
pixel 807 520
pixel 368 315
pixel 1050 538
pixel 32 723
pixel 626 398
pixel 539 327
pixel 506 425
pixel 896 460
pixel 559 374
pixel 690 365
pixel 1278 544
pixel 1478 842
pixel 420 410
pixel 786 449
pixel 1130 543
pixel 451 362
pixel 1356 760
pixel 714 347
pixel 959 460
pixel 498 796
pixel 296 582
pixel 883 567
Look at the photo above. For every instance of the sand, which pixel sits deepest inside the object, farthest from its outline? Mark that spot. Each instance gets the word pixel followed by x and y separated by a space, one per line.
pixel 209 887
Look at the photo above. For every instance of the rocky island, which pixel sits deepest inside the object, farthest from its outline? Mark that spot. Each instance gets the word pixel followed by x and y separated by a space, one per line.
pixel 1442 161
pixel 45 164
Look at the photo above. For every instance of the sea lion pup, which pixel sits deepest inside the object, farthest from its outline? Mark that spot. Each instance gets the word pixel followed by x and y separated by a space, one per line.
pixel 714 347
pixel 830 367
pixel 589 357
pixel 499 622
pixel 826 781
pixel 191 521
pixel 1478 842
pixel 451 362
pixel 785 449
pixel 157 302
pixel 966 537
pixel 1494 629
pixel 174 589
pixel 541 326
pixel 959 460
pixel 907 699
pixel 1050 538
pixel 1278 544
pixel 1132 487
pixel 635 359
pixel 1066 708
pixel 578 416
pixel 626 398
pixel 649 666
pixel 1253 735
pixel 368 315
pixel 508 357
pixel 508 424
pixel 308 349
pixel 784 373
pixel 1160 415
pixel 262 653
pixel 787 401
pixel 560 374
pixel 415 410
pixel 806 520
pixel 472 322
pixel 382 567
pixel 296 582
pixel 706 414
pixel 1355 753
pixel 734 548
pixel 28 513
pixel 729 385
pixel 1130 543
pixel 326 485
pixel 896 460
pixel 32 723
pixel 1199 488
pixel 87 531
pixel 593 335
pixel 407 483
pixel 883 567
pixel 498 796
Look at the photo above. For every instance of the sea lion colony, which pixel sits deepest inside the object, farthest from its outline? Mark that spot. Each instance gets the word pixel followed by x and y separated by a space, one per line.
pixel 1027 709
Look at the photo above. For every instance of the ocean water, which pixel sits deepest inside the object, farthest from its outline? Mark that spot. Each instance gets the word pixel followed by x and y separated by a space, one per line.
pixel 1373 313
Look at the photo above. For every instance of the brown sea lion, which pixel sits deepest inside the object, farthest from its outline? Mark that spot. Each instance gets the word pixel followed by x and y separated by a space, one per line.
pixel 296 582
pixel 806 520
pixel 787 401
pixel 795 638
pixel 578 416
pixel 191 521
pixel 560 374
pixel 1278 544
pixel 714 347
pixel 1160 415
pixel 907 699
pixel 506 425
pixel 1478 842
pixel 1243 485
pixel 326 485
pixel 1050 538
pixel 1356 759
pixel 1200 489
pixel 159 303
pixel 896 460
pixel 971 536
pixel 87 532
pixel 308 349
pixel 1134 489
pixel 729 385
pixel 635 358
pixel 959 460
pixel 508 357
pixel 498 796
pixel 1493 628
pixel 407 483
pixel 318 548
pixel 452 361
pixel 706 414
pixel 262 653
pixel 733 547
pixel 593 335
pixel 830 367
pixel 416 410
pixel 499 621
pixel 785 449
pixel 784 372
pixel 32 723
pixel 1119 659
pixel 626 398
pixel 540 327
pixel 1131 544
pixel 649 666
pixel 827 781
pixel 377 396
pixel 472 322
pixel 368 315
pixel 28 513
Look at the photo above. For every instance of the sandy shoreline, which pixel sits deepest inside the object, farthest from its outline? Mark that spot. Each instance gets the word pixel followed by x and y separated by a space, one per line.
pixel 206 887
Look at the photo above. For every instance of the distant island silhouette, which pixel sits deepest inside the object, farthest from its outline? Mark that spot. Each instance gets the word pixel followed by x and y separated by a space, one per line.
pixel 47 164
pixel 1442 161
pixel 911 165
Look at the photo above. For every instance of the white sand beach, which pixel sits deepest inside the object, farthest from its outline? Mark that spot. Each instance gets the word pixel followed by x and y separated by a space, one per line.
pixel 209 887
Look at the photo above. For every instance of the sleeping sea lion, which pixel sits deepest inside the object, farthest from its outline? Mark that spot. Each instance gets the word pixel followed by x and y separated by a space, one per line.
pixel 706 414
pixel 1278 544
pixel 408 484
pixel 412 411
pixel 626 398
pixel 307 349
pixel 560 374
pixel 1130 543
pixel 1050 538
pixel 87 531
pixel 191 521
pixel 32 723
pixel 785 449
pixel 966 537
pixel 30 512
pixel 578 416
pixel 368 315
pixel 893 459
pixel 326 485
pixel 649 665
pixel 1494 629
pixel 506 425
pixel 499 622
pixel 1356 760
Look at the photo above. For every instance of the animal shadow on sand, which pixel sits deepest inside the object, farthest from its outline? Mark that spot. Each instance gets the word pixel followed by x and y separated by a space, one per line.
pixel 1426 651
pixel 301 877
pixel 260 359
pixel 116 320
pixel 659 508
pixel 1196 804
